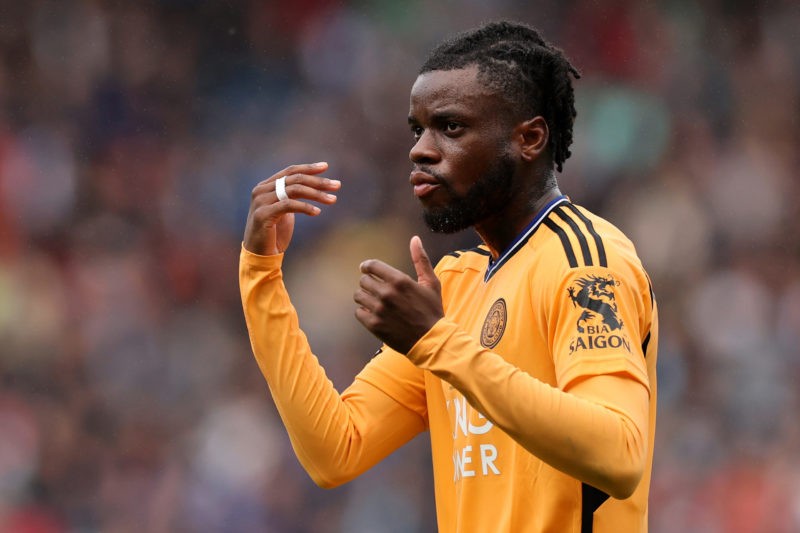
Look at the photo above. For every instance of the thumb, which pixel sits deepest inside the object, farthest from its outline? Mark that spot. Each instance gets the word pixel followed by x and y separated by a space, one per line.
pixel 422 264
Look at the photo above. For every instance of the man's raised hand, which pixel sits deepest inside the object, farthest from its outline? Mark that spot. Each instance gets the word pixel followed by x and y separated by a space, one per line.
pixel 270 221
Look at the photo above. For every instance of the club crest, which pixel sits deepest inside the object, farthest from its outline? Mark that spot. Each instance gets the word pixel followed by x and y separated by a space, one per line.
pixel 494 325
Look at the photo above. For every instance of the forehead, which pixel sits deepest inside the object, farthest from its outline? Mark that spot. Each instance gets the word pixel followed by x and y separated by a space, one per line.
pixel 443 88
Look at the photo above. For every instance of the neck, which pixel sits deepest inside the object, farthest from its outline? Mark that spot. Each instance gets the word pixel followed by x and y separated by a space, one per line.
pixel 500 230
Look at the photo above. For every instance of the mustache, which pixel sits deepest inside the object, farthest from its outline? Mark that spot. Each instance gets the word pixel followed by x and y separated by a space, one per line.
pixel 429 171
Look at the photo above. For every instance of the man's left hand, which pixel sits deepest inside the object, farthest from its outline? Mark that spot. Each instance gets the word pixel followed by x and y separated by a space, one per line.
pixel 394 307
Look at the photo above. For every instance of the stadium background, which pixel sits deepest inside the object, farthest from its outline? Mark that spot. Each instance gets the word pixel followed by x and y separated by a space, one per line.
pixel 132 132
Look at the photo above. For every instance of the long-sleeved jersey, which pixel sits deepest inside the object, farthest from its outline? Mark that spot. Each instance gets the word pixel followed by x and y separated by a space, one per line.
pixel 538 386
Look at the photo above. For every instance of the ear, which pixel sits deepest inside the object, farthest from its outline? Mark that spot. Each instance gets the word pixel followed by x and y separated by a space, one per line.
pixel 533 136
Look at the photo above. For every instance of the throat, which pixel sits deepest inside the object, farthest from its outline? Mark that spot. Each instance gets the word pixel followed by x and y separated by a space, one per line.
pixel 500 231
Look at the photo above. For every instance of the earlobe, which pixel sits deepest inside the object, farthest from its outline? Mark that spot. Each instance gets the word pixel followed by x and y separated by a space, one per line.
pixel 534 135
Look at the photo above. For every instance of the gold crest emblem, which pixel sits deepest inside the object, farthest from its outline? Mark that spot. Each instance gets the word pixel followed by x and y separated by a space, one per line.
pixel 494 325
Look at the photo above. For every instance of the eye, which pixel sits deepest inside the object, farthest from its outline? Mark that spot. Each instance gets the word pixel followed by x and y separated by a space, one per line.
pixel 417 131
pixel 452 127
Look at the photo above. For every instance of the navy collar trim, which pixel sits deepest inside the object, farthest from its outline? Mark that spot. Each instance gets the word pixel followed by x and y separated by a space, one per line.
pixel 519 242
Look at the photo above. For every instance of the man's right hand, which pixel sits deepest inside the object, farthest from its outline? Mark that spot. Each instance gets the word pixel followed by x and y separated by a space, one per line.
pixel 270 222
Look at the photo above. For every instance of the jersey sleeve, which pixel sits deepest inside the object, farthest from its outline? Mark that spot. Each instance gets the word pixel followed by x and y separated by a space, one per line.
pixel 398 378
pixel 335 437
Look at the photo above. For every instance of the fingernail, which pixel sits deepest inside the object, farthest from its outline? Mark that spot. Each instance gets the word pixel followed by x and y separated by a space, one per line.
pixel 320 164
pixel 335 183
pixel 330 197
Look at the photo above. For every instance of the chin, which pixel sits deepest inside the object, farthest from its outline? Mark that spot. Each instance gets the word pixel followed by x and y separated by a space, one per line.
pixel 446 221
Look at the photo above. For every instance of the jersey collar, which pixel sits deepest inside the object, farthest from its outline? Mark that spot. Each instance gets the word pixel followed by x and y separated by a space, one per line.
pixel 522 238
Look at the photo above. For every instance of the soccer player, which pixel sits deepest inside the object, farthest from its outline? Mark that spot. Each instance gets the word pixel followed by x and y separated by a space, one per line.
pixel 530 359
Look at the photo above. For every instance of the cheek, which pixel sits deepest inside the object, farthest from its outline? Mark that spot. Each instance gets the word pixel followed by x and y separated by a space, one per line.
pixel 467 164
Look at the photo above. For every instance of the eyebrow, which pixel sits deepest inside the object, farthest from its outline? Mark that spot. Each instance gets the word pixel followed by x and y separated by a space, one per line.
pixel 439 116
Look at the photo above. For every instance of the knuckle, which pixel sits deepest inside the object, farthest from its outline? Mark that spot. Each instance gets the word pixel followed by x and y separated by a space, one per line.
pixel 366 318
pixel 389 293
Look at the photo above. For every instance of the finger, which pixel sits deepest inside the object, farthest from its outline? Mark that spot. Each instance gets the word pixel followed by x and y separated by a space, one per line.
pixel 298 191
pixel 316 182
pixel 269 213
pixel 303 180
pixel 366 318
pixel 422 263
pixel 264 194
pixel 380 270
pixel 371 284
pixel 366 300
pixel 305 172
pixel 380 289
pixel 303 168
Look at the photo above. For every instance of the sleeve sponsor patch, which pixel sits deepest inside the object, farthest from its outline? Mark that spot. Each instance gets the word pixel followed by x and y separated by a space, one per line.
pixel 598 323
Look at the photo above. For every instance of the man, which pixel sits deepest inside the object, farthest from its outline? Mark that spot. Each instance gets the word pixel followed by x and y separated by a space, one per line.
pixel 530 359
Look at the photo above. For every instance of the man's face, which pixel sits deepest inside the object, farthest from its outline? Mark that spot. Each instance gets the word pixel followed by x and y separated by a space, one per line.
pixel 463 167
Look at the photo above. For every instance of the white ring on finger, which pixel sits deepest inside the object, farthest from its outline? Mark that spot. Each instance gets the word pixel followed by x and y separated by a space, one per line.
pixel 280 188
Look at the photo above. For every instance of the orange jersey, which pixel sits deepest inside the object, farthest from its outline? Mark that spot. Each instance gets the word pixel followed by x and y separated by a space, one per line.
pixel 557 338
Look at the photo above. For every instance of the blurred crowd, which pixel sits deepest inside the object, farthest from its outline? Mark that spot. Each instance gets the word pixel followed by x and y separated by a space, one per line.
pixel 131 134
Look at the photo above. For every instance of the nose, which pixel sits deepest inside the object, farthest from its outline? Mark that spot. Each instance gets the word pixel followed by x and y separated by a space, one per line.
pixel 424 150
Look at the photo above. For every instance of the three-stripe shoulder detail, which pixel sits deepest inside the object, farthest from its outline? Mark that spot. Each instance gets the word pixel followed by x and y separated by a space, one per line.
pixel 562 235
pixel 478 250
pixel 579 226
pixel 601 249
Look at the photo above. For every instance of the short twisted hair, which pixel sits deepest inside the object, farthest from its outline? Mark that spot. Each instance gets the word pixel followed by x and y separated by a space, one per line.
pixel 514 59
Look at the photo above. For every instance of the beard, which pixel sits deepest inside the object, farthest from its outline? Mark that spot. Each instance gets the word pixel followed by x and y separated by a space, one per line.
pixel 486 197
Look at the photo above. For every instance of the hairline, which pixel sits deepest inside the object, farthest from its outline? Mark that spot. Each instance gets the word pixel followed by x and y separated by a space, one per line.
pixel 513 110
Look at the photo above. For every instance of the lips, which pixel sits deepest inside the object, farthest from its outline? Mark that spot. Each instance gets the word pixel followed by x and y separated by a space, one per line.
pixel 424 184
